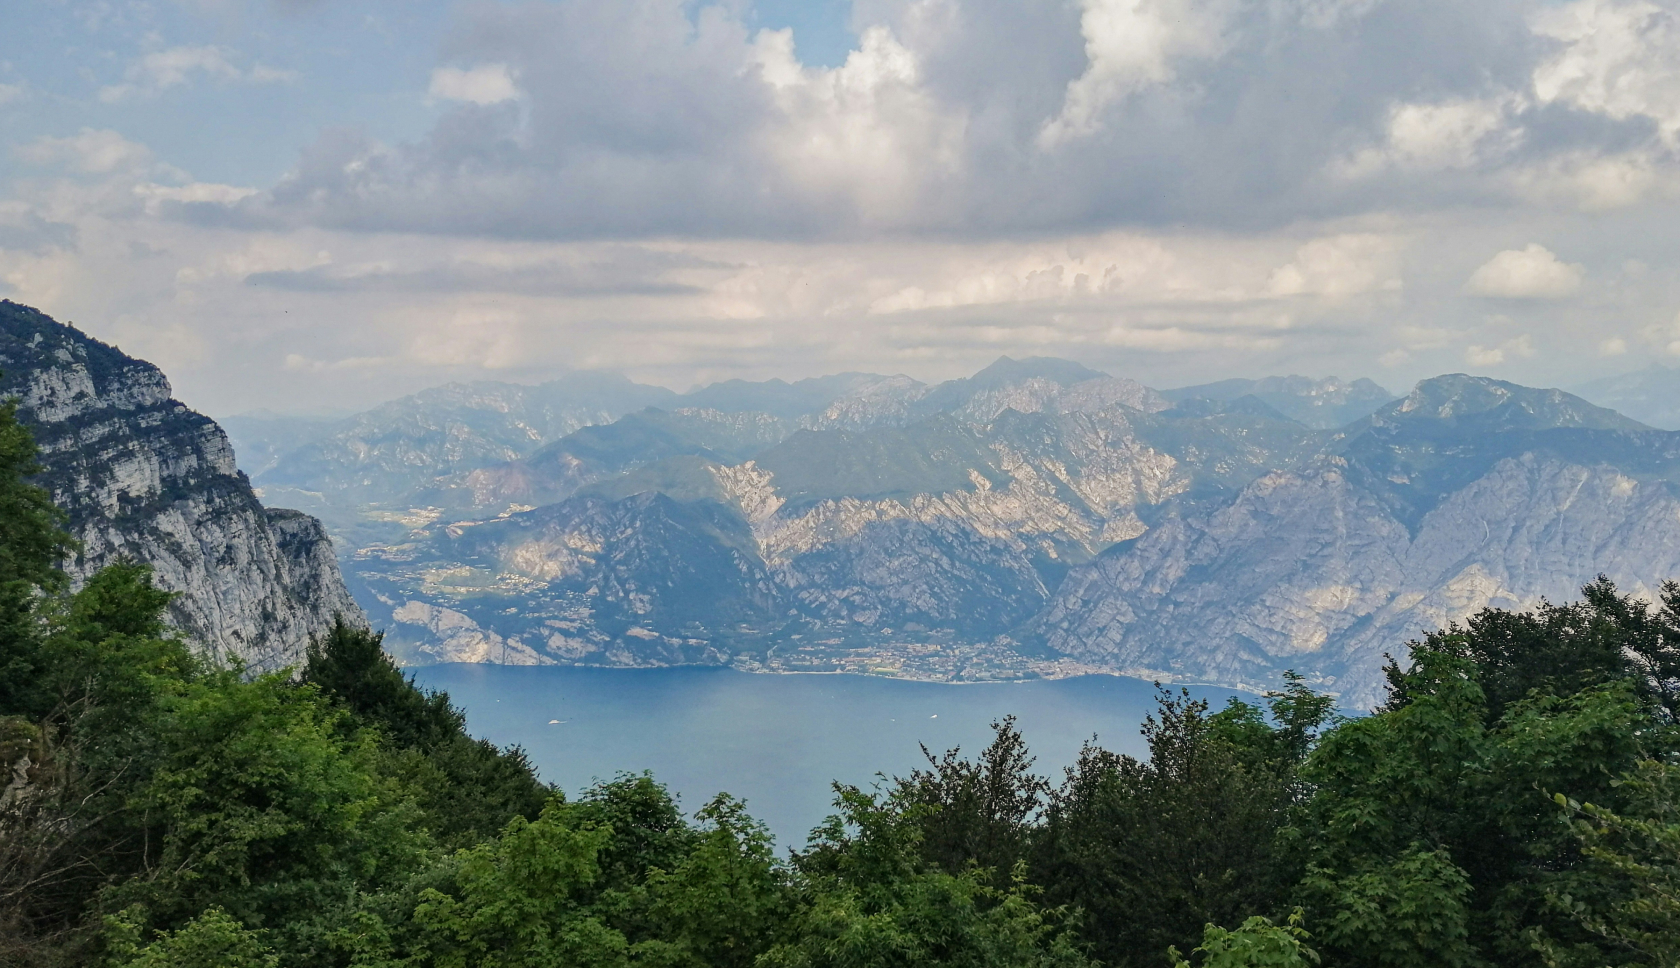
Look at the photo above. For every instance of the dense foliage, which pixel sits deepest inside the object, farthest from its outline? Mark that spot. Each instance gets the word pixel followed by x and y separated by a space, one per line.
pixel 1515 803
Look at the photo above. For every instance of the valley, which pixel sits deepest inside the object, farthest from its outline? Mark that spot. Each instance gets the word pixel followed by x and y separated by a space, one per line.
pixel 1038 519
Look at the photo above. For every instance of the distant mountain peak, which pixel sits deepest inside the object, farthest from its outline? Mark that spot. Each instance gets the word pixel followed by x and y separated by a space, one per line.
pixel 1498 405
pixel 1650 395
pixel 1323 404
pixel 779 397
pixel 1006 370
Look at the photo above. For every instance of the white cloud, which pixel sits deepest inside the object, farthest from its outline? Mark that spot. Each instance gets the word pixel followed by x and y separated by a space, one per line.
pixel 89 152
pixel 1615 346
pixel 1620 59
pixel 643 118
pixel 1438 136
pixel 484 84
pixel 1665 336
pixel 866 132
pixel 1138 183
pixel 1595 182
pixel 1522 347
pixel 1479 356
pixel 10 93
pixel 1341 265
pixel 161 70
pixel 1533 272
pixel 157 196
pixel 1131 45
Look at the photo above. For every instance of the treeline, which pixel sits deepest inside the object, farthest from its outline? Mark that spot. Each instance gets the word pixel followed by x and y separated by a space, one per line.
pixel 1513 804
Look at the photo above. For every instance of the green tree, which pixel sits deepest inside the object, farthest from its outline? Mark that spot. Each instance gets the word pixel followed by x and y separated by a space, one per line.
pixel 867 899
pixel 1411 913
pixel 1258 943
pixel 1629 894
pixel 350 666
pixel 1561 649
pixel 259 805
pixel 79 737
pixel 980 812
pixel 1430 834
pixel 32 542
pixel 469 788
pixel 1153 850
pixel 722 905
pixel 522 901
pixel 214 939
pixel 647 830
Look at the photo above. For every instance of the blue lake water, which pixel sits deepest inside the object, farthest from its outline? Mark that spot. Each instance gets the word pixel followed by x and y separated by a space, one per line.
pixel 777 741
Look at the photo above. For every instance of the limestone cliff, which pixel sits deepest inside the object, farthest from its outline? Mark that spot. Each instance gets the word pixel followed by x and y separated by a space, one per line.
pixel 1468 493
pixel 144 477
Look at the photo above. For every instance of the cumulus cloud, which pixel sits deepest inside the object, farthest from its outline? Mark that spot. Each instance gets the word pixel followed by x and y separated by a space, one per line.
pixel 656 117
pixel 865 134
pixel 1518 347
pixel 1179 189
pixel 1436 137
pixel 1532 272
pixel 90 152
pixel 161 70
pixel 1620 59
pixel 1131 45
pixel 1593 181
pixel 484 84
pixel 1341 265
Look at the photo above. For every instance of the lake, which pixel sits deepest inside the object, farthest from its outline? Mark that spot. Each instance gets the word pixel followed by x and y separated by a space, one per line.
pixel 777 741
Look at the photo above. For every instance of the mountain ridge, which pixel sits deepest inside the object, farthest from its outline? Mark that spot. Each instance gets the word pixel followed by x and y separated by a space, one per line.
pixel 1039 517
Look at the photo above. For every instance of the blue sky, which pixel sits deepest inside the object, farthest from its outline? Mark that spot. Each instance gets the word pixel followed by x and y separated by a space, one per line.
pixel 326 202
pixel 363 65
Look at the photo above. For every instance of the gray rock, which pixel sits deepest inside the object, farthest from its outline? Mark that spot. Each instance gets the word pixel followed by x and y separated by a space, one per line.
pixel 144 478
pixel 1467 494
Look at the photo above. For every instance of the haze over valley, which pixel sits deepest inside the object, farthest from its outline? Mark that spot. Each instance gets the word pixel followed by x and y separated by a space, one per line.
pixel 1038 518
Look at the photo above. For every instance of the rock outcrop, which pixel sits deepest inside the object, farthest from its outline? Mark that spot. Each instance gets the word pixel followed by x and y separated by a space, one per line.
pixel 143 477
pixel 1468 493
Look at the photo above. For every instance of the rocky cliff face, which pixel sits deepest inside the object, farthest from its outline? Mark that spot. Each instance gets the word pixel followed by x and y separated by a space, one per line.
pixel 145 478
pixel 1468 493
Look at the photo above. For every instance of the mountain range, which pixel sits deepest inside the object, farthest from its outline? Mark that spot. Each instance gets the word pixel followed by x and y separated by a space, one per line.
pixel 1650 396
pixel 1037 518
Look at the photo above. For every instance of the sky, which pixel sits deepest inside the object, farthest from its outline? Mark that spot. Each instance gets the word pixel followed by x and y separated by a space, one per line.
pixel 307 205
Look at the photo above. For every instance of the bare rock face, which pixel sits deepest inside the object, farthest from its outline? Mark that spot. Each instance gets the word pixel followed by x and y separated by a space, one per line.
pixel 1468 493
pixel 143 477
